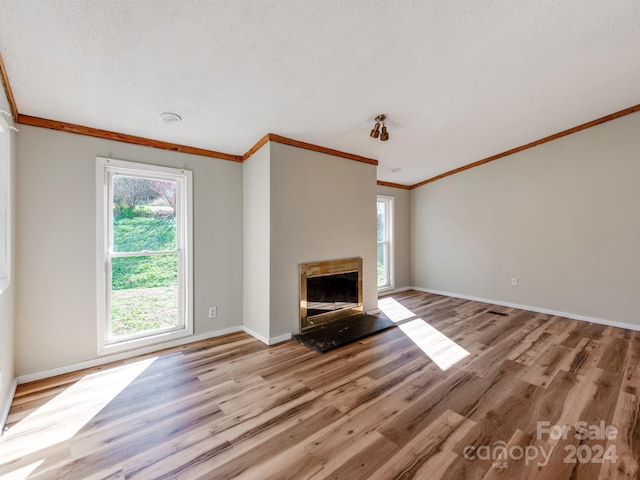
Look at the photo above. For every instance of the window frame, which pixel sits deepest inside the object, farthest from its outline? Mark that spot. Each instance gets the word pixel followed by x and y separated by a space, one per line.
pixel 5 203
pixel 106 168
pixel 388 241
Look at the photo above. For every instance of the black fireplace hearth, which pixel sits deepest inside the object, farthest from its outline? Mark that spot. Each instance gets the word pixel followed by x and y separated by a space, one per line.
pixel 342 332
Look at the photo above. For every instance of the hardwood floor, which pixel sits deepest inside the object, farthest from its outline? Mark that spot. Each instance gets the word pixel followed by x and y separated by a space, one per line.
pixel 380 408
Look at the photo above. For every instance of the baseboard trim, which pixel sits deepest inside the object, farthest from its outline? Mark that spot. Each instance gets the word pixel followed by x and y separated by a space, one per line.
pixel 270 340
pixel 279 339
pixel 573 316
pixel 4 414
pixel 256 335
pixel 31 377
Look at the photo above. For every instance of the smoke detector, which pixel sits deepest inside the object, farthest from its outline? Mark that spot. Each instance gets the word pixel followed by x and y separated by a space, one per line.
pixel 170 117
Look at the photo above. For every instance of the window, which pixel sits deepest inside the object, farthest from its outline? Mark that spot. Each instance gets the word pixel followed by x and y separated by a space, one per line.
pixel 5 204
pixel 385 243
pixel 144 254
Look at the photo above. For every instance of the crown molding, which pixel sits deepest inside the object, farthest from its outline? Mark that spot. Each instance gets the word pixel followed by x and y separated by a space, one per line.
pixel 272 137
pixel 535 143
pixel 121 137
pixel 394 185
pixel 8 91
pixel 256 147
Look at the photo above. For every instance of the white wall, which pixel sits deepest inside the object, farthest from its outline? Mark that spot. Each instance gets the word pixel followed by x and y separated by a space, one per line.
pixel 561 217
pixel 7 317
pixel 56 228
pixel 256 206
pixel 323 207
pixel 401 233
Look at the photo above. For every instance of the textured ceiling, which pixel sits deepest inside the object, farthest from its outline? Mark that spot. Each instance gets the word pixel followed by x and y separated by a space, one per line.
pixel 459 80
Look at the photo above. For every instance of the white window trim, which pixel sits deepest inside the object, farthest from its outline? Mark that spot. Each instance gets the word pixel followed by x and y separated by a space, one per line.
pixel 389 214
pixel 104 216
pixel 5 205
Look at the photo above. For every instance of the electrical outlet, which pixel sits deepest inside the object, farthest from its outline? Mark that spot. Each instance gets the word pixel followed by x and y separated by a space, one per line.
pixel 213 311
pixel 514 282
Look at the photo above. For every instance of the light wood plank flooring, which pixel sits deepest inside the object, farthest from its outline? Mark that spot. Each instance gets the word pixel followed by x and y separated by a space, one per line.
pixel 380 408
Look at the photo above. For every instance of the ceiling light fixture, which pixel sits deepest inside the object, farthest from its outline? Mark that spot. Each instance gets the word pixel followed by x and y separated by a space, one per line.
pixel 375 133
pixel 170 117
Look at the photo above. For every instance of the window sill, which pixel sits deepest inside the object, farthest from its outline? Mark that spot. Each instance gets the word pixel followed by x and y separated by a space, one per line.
pixel 132 344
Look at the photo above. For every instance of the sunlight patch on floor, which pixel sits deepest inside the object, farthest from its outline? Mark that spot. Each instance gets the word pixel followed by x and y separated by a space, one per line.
pixel 74 408
pixel 441 349
pixel 394 310
pixel 22 473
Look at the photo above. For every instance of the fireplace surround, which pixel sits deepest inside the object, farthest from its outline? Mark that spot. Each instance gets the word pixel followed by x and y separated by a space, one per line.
pixel 329 291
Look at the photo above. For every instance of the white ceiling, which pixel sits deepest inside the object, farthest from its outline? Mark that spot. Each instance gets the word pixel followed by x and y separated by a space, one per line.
pixel 459 80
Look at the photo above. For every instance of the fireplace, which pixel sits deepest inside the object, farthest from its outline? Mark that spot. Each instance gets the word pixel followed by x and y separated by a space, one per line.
pixel 329 291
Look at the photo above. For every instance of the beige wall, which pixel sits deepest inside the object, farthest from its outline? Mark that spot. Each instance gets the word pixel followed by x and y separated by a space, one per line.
pixel 56 287
pixel 561 217
pixel 256 206
pixel 401 233
pixel 322 208
pixel 7 317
